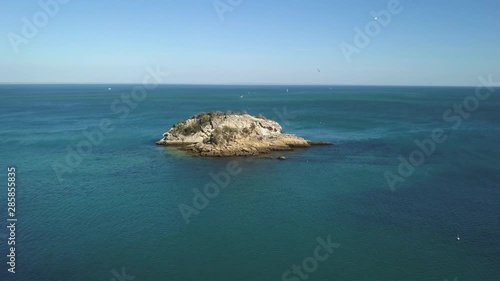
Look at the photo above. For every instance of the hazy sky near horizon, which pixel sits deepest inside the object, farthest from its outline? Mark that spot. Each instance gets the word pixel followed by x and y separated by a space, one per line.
pixel 257 42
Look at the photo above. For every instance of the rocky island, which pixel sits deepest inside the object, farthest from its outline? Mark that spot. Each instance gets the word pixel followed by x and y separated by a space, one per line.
pixel 231 134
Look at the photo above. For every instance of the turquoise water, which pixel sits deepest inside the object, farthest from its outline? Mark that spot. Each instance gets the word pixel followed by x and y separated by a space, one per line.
pixel 119 207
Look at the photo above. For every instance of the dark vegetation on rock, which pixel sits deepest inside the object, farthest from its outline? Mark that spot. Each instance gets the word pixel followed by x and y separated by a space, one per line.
pixel 230 134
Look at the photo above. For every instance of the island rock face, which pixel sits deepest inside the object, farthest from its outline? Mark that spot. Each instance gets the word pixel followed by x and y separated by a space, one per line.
pixel 231 134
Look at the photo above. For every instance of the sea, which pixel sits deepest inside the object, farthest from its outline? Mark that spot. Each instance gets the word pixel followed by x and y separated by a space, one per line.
pixel 409 190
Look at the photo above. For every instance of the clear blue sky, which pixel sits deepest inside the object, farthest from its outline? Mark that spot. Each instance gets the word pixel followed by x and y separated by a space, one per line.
pixel 258 42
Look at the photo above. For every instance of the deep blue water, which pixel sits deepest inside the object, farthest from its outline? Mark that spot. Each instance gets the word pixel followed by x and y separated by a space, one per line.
pixel 119 207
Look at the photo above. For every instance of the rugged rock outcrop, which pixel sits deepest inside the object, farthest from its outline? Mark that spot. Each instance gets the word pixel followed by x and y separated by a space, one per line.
pixel 220 134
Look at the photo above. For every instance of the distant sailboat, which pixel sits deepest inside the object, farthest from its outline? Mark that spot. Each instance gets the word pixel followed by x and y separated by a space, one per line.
pixel 458 237
pixel 109 89
pixel 287 90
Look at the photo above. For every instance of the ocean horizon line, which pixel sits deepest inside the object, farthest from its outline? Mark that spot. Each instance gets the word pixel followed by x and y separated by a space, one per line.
pixel 247 85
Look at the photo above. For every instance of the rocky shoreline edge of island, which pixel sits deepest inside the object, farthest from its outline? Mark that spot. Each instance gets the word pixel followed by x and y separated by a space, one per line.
pixel 218 134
